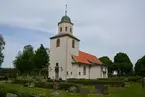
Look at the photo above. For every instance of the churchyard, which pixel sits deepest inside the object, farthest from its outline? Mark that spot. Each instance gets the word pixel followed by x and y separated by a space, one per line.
pixel 40 87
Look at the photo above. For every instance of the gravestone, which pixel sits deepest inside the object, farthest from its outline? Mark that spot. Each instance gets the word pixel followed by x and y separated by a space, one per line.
pixel 99 88
pixel 84 91
pixel 32 84
pixel 54 93
pixel 26 84
pixel 35 96
pixel 73 89
pixel 11 95
pixel 143 82
pixel 2 94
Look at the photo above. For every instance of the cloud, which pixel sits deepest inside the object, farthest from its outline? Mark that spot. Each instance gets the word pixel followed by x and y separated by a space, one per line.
pixel 15 41
pixel 104 27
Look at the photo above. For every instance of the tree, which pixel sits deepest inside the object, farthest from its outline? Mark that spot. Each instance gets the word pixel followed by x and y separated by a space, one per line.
pixel 2 44
pixel 105 60
pixel 122 64
pixel 17 62
pixel 24 61
pixel 41 59
pixel 140 66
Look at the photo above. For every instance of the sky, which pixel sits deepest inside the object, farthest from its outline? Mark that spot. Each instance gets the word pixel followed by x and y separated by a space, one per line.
pixel 105 27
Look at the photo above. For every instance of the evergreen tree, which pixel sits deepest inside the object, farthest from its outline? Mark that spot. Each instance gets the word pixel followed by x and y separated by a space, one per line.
pixel 41 59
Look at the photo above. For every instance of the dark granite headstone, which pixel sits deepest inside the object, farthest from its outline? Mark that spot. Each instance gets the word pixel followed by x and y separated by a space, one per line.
pixel 99 88
pixel 26 84
pixel 84 91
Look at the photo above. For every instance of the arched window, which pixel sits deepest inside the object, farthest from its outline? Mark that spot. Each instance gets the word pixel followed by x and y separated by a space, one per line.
pixel 60 29
pixel 65 28
pixel 73 43
pixel 70 29
pixel 57 42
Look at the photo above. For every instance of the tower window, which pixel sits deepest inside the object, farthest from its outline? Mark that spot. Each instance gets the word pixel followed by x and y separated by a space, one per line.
pixel 60 29
pixel 71 73
pixel 70 29
pixel 67 73
pixel 65 28
pixel 84 70
pixel 56 64
pixel 57 42
pixel 73 43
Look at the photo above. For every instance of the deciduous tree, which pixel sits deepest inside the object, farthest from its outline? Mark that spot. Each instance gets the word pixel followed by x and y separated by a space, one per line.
pixel 105 60
pixel 24 60
pixel 140 66
pixel 2 44
pixel 123 64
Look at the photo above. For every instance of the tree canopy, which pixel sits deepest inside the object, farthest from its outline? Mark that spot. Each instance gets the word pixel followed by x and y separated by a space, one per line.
pixel 28 60
pixel 2 44
pixel 122 64
pixel 105 60
pixel 41 58
pixel 140 66
pixel 24 60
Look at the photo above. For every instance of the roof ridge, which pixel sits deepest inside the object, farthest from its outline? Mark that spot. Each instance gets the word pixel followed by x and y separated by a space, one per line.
pixel 87 53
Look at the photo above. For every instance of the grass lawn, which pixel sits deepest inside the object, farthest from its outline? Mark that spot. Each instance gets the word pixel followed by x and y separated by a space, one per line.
pixel 134 90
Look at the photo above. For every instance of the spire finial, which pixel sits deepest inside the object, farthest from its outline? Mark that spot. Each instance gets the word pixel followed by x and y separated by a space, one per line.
pixel 66 9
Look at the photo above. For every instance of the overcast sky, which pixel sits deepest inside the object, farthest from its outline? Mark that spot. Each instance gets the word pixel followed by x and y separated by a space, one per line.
pixel 105 27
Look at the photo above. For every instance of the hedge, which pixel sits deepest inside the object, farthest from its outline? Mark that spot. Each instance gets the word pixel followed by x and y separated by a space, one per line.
pixel 61 85
pixel 113 78
pixel 134 78
pixel 93 82
pixel 50 85
pixel 18 81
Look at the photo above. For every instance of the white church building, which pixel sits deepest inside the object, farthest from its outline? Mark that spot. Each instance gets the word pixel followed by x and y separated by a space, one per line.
pixel 67 60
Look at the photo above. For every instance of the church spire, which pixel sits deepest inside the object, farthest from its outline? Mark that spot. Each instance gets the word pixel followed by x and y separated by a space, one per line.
pixel 66 10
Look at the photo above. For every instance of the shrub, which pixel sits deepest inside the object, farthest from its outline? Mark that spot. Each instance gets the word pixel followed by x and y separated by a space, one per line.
pixel 44 85
pixel 66 86
pixel 49 80
pixel 134 78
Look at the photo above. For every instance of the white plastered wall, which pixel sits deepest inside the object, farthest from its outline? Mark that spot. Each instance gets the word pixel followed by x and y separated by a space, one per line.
pixel 63 25
pixel 63 56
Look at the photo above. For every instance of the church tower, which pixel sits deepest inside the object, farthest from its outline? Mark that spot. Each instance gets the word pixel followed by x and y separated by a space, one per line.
pixel 62 46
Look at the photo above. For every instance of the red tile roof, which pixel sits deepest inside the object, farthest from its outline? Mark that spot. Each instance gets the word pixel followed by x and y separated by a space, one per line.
pixel 86 58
